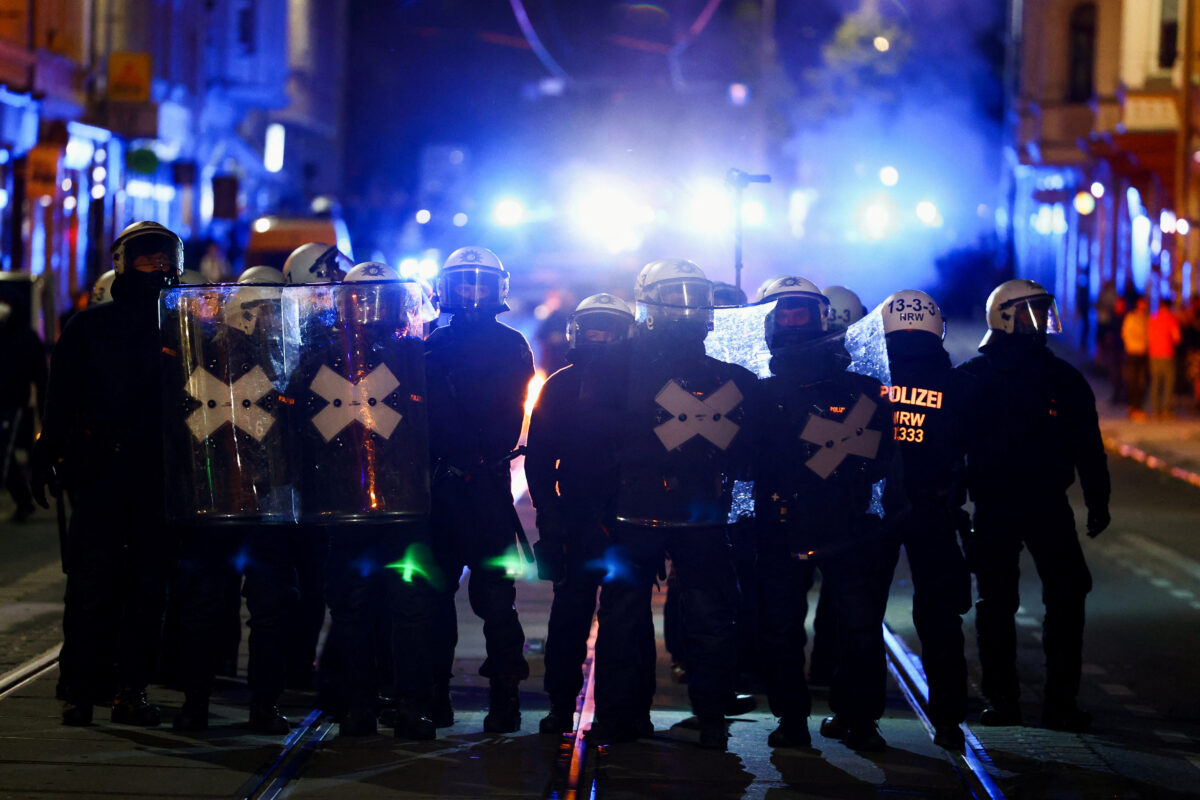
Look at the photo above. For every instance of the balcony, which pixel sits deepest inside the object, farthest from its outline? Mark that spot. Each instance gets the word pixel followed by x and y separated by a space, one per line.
pixel 1145 111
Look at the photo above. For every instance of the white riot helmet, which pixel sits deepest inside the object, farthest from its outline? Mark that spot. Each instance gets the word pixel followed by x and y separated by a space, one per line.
pixel 762 288
pixel 261 274
pixel 1021 307
pixel 102 289
pixel 599 320
pixel 375 294
pixel 912 310
pixel 257 296
pixel 801 312
pixel 148 239
pixel 316 263
pixel 845 307
pixel 473 279
pixel 191 277
pixel 672 291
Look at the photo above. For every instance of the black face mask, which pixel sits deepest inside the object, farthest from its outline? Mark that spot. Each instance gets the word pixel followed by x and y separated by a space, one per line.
pixel 141 289
pixel 680 332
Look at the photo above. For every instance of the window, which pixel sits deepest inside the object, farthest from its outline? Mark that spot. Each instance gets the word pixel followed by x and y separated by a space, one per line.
pixel 1168 34
pixel 1082 50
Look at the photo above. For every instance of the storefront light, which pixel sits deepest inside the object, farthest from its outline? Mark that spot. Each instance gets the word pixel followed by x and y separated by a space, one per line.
pixel 69 204
pixel 98 191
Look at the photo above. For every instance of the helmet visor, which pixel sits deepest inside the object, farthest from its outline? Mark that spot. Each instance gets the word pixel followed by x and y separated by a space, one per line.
pixel 801 314
pixel 683 299
pixel 470 288
pixel 1038 314
pixel 599 327
pixel 152 252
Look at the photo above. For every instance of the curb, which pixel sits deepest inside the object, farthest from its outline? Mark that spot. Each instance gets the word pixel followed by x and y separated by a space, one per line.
pixel 1155 463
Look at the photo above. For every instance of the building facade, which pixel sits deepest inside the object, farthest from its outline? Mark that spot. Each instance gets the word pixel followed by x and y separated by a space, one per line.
pixel 113 111
pixel 1101 173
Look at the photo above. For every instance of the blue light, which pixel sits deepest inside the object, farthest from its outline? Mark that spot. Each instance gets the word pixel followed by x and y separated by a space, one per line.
pixel 508 212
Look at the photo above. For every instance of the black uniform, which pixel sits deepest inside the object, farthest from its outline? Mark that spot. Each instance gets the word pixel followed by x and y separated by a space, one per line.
pixel 1031 425
pixel 478 371
pixel 572 473
pixel 685 440
pixel 926 410
pixel 813 493
pixel 104 420
pixel 365 482
pixel 239 480
pixel 22 365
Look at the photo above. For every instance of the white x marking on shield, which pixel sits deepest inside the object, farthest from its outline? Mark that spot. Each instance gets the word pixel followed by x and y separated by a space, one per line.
pixel 235 403
pixel 849 437
pixel 693 416
pixel 361 402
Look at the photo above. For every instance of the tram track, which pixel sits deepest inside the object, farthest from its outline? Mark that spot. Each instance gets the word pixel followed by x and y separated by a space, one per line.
pixel 970 763
pixel 30 671
pixel 272 780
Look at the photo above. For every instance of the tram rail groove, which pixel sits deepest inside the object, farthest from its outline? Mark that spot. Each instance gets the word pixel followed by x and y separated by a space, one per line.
pixel 272 780
pixel 969 764
pixel 30 671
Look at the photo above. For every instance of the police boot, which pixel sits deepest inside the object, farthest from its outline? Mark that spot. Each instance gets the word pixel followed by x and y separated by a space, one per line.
pixel 1066 718
pixel 790 733
pixel 442 711
pixel 949 737
pixel 714 734
pixel 132 708
pixel 410 723
pixel 76 714
pixel 266 719
pixel 504 707
pixel 193 716
pixel 864 736
pixel 358 721
pixel 561 718
pixel 739 704
pixel 834 727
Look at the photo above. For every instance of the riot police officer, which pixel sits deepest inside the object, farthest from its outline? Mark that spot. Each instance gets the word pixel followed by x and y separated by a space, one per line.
pixel 572 477
pixel 1044 406
pixel 362 426
pixel 685 441
pixel 845 309
pixel 478 372
pixel 926 409
pixel 103 436
pixel 314 263
pixel 823 449
pixel 232 493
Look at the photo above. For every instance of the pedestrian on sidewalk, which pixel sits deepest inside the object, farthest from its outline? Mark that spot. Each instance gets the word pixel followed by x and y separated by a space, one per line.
pixel 1163 337
pixel 1110 312
pixel 1135 338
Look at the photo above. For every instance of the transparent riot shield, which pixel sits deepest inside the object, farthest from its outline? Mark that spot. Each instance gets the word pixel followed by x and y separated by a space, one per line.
pixel 737 337
pixel 226 450
pixel 354 355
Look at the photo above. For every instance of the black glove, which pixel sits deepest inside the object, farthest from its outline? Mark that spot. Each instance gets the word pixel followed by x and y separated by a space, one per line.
pixel 44 476
pixel 551 559
pixel 1098 520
